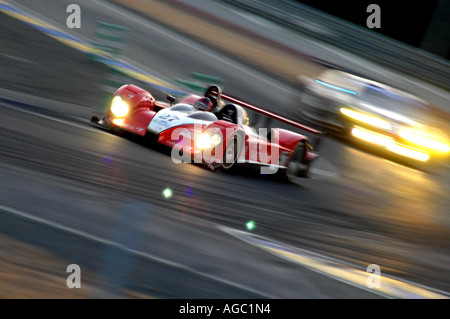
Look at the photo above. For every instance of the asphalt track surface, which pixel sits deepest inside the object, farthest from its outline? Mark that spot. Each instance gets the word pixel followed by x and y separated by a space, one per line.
pixel 358 208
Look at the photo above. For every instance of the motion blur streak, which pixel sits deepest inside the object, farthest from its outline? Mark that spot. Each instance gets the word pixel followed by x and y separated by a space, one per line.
pixel 389 287
pixel 44 27
pixel 371 137
pixel 436 143
pixel 366 118
pixel 408 152
pixel 336 87
pixel 85 47
pixel 390 144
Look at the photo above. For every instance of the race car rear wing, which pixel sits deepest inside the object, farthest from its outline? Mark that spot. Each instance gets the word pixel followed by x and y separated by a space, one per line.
pixel 275 116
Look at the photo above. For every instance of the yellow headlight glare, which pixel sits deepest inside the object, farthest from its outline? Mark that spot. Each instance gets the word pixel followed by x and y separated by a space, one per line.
pixel 366 118
pixel 206 140
pixel 408 152
pixel 426 140
pixel 119 107
pixel 390 144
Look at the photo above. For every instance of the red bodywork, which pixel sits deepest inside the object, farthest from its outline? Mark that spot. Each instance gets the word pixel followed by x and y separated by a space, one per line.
pixel 143 108
pixel 254 148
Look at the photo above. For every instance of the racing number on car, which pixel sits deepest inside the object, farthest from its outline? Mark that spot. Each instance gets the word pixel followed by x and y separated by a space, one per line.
pixel 168 117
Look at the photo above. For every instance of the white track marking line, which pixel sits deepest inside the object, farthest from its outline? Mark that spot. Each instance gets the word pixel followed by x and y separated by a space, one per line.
pixel 82 234
pixel 17 58
pixel 389 287
pixel 19 109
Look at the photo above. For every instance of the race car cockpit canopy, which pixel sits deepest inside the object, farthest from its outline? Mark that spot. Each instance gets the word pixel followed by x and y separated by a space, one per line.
pixel 205 116
pixel 234 114
pixel 183 107
pixel 192 112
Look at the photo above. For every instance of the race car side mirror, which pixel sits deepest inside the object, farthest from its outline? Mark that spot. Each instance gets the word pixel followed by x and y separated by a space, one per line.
pixel 171 99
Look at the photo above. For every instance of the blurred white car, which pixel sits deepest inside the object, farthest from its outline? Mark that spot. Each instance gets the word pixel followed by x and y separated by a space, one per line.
pixel 375 113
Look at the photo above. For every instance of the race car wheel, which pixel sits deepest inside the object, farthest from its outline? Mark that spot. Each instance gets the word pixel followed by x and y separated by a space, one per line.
pixel 231 153
pixel 296 166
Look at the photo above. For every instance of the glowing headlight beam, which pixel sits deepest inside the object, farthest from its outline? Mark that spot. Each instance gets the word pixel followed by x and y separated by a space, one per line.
pixel 119 107
pixel 389 143
pixel 118 122
pixel 364 118
pixel 371 137
pixel 206 140
pixel 408 152
pixel 420 138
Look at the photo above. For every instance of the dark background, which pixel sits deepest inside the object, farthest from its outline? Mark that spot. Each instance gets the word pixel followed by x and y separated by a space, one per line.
pixel 421 24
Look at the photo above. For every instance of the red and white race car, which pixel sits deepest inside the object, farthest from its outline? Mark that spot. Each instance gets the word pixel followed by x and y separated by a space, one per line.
pixel 212 129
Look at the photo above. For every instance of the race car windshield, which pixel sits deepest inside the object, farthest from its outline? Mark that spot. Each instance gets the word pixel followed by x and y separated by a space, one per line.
pixel 205 116
pixel 186 108
pixel 396 103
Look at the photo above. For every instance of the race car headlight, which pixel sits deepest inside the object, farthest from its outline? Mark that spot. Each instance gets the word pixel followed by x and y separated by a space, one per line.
pixel 119 107
pixel 427 140
pixel 206 140
pixel 365 118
